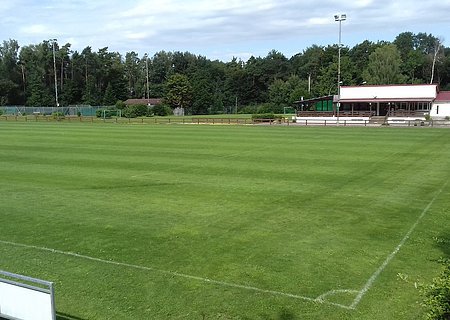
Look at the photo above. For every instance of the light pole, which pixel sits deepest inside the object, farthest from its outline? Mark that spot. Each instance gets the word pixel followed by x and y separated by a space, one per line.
pixel 54 69
pixel 339 18
pixel 146 68
pixel 332 87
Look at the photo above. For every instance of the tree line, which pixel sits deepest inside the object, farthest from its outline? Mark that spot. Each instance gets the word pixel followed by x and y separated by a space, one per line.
pixel 202 86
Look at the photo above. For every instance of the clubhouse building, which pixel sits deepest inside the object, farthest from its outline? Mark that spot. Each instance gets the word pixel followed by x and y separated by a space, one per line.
pixel 391 102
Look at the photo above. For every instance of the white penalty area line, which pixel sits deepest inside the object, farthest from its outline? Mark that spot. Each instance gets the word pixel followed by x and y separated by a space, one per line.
pixel 391 256
pixel 177 274
pixel 320 299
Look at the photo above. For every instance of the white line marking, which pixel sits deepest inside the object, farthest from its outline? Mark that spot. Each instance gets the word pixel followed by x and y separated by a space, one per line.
pixel 177 274
pixel 322 297
pixel 391 256
pixel 319 299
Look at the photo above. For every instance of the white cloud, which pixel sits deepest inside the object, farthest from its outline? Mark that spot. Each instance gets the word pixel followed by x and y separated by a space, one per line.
pixel 363 3
pixel 36 29
pixel 217 28
pixel 319 21
pixel 137 35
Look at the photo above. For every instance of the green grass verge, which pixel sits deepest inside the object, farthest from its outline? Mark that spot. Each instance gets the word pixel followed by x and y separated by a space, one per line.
pixel 275 216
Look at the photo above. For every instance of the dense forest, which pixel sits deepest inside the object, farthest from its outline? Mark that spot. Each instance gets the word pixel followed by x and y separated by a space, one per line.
pixel 28 74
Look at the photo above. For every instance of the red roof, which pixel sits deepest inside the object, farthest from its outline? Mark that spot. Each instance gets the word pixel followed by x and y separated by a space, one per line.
pixel 443 96
pixel 390 85
pixel 151 101
pixel 387 100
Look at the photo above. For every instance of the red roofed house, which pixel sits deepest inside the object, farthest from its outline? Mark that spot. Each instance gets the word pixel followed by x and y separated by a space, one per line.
pixel 149 102
pixel 392 102
pixel 441 106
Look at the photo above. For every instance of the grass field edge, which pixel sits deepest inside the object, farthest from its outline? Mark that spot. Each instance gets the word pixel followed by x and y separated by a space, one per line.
pixel 320 299
pixel 391 256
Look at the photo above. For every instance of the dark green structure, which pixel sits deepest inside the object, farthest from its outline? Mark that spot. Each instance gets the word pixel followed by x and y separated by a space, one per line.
pixel 320 104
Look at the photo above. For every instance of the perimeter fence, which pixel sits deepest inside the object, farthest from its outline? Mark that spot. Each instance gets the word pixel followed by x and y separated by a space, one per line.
pixel 218 121
pixel 76 110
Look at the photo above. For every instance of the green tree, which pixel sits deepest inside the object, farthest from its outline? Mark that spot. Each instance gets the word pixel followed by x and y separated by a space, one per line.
pixel 27 75
pixel 6 87
pixel 405 42
pixel 425 42
pixel 179 91
pixel 298 88
pixel 309 64
pixel 279 94
pixel 132 72
pixel 75 85
pixel 359 56
pixel 412 66
pixel 38 73
pixel 118 81
pixel 208 87
pixel 91 94
pixel 40 94
pixel 445 70
pixel 109 98
pixel 384 66
pixel 161 67
pixel 237 83
pixel 283 93
pixel 10 76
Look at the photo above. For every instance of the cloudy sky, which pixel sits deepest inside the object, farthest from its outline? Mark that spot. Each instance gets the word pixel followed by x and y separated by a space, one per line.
pixel 217 29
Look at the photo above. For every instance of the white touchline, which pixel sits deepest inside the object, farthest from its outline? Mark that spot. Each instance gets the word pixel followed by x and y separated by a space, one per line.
pixel 177 274
pixel 319 299
pixel 322 297
pixel 374 276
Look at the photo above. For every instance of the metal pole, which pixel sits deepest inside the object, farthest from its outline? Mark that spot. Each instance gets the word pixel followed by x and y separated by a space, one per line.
pixel 54 69
pixel 309 83
pixel 339 18
pixel 339 73
pixel 146 66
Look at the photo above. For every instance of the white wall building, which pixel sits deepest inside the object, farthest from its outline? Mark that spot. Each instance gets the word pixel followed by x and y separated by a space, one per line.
pixel 389 100
pixel 392 102
pixel 441 106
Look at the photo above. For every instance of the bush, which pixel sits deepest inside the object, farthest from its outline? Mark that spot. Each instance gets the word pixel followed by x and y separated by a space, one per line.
pixel 120 105
pixel 107 113
pixel 263 116
pixel 134 111
pixel 57 115
pixel 162 110
pixel 1 112
pixel 265 108
pixel 248 109
pixel 438 295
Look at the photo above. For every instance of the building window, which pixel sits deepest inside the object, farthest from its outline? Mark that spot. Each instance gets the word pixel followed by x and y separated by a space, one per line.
pixel 423 106
pixel 437 109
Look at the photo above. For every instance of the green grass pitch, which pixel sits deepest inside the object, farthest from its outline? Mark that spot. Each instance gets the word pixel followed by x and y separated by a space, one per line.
pixel 225 222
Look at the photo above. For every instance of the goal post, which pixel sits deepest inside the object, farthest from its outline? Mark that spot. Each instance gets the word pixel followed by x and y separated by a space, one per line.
pixel 26 298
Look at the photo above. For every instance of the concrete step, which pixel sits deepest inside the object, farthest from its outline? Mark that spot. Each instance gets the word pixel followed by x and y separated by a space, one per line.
pixel 377 119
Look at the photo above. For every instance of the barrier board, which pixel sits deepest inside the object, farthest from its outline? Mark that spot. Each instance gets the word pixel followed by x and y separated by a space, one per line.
pixel 25 298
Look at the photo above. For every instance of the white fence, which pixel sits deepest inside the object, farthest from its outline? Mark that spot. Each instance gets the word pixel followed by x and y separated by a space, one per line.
pixel 25 298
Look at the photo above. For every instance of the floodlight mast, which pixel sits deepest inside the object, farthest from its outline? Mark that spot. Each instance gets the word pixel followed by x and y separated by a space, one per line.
pixel 339 18
pixel 54 71
pixel 146 71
